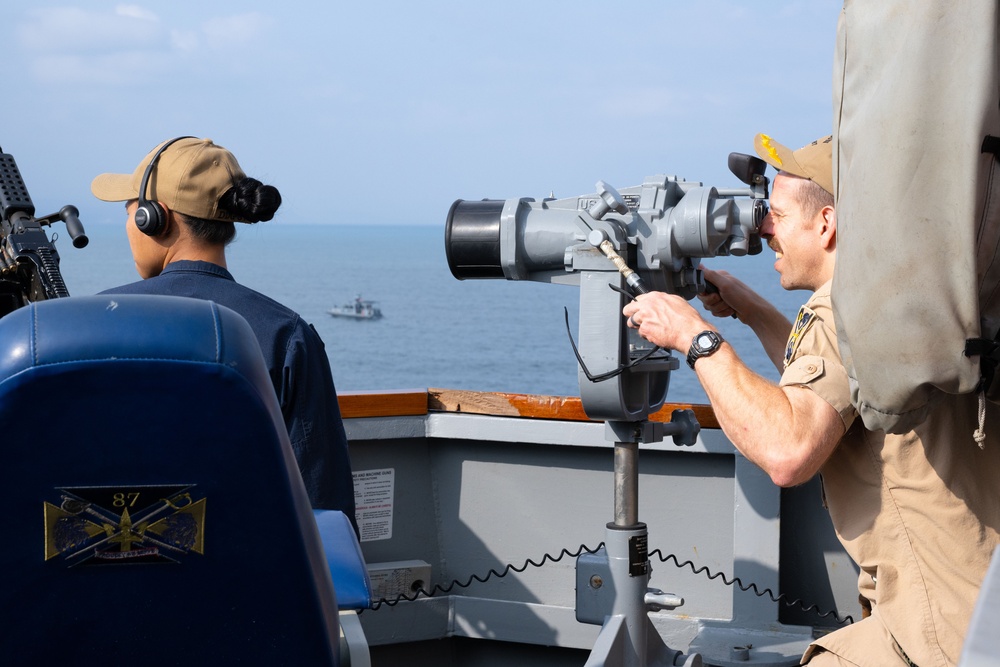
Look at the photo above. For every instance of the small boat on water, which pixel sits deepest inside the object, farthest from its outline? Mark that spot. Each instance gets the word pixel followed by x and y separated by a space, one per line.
pixel 360 309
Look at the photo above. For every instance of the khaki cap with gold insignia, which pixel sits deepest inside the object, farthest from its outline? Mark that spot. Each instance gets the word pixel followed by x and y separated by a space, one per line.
pixel 813 161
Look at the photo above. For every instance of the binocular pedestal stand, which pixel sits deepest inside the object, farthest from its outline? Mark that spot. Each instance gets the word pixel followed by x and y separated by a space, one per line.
pixel 612 583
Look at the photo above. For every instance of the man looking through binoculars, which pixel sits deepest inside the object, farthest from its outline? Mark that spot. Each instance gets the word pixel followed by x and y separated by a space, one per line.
pixel 917 512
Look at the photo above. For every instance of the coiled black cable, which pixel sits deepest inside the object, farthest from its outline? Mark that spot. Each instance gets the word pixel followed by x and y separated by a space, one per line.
pixel 438 588
pixel 734 581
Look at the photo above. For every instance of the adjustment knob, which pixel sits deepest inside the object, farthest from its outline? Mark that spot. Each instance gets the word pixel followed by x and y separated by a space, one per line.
pixel 609 200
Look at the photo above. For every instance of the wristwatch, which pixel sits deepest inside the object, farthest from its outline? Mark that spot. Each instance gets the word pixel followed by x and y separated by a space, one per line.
pixel 703 345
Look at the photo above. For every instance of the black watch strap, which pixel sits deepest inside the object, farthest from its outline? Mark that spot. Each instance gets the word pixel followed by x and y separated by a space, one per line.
pixel 703 345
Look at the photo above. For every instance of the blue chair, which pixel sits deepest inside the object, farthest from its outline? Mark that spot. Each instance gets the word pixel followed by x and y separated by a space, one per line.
pixel 351 581
pixel 345 560
pixel 154 511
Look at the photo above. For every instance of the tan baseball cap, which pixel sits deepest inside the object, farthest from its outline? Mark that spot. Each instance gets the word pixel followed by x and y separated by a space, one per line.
pixel 813 161
pixel 189 177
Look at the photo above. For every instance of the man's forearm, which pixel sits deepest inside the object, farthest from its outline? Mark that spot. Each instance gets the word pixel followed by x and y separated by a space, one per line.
pixel 787 432
pixel 771 327
pixel 768 323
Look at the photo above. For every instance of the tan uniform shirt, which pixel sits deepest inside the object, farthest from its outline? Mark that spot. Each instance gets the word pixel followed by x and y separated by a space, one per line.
pixel 919 512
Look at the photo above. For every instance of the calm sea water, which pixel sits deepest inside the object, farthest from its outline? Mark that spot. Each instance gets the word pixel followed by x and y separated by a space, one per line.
pixel 489 335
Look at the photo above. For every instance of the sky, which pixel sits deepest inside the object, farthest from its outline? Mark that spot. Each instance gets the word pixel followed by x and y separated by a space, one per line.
pixel 386 112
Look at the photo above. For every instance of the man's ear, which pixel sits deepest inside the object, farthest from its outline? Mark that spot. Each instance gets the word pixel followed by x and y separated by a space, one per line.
pixel 828 227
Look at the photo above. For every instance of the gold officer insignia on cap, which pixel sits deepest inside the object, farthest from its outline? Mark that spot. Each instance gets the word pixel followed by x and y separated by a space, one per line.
pixel 133 524
pixel 802 322
pixel 771 150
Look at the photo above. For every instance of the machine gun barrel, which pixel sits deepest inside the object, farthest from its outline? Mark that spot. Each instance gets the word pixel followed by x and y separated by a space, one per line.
pixel 29 263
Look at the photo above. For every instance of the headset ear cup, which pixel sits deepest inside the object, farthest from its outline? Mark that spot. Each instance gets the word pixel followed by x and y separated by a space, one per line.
pixel 149 218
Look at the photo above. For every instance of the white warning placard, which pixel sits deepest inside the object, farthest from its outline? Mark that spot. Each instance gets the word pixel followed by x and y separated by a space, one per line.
pixel 373 497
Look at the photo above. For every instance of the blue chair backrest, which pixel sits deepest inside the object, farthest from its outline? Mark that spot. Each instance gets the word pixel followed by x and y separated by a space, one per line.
pixel 153 508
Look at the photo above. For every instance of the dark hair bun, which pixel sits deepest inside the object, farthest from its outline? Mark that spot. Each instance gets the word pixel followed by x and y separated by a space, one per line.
pixel 251 201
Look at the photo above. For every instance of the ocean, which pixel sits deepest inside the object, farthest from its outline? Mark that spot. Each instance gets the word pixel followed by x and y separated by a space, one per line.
pixel 436 331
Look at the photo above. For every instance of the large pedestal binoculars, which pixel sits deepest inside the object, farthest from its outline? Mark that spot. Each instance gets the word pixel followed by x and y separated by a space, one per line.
pixel 655 232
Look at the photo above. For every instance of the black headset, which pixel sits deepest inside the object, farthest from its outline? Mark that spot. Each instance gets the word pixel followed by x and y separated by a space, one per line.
pixel 150 218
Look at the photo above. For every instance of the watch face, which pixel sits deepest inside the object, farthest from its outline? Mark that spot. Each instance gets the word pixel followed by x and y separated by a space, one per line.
pixel 703 345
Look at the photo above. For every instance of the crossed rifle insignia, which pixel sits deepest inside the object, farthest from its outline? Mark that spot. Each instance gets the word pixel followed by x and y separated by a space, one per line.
pixel 105 525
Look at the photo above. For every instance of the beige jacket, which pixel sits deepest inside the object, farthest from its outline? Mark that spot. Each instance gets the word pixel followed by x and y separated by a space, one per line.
pixel 919 512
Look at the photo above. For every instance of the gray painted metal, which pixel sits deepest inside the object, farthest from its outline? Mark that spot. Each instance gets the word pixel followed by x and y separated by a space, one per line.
pixel 661 227
pixel 476 493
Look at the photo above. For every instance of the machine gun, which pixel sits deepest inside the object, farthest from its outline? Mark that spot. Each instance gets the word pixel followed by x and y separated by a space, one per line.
pixel 29 263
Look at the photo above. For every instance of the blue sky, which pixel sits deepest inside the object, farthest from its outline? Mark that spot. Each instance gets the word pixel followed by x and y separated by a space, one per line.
pixel 383 112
